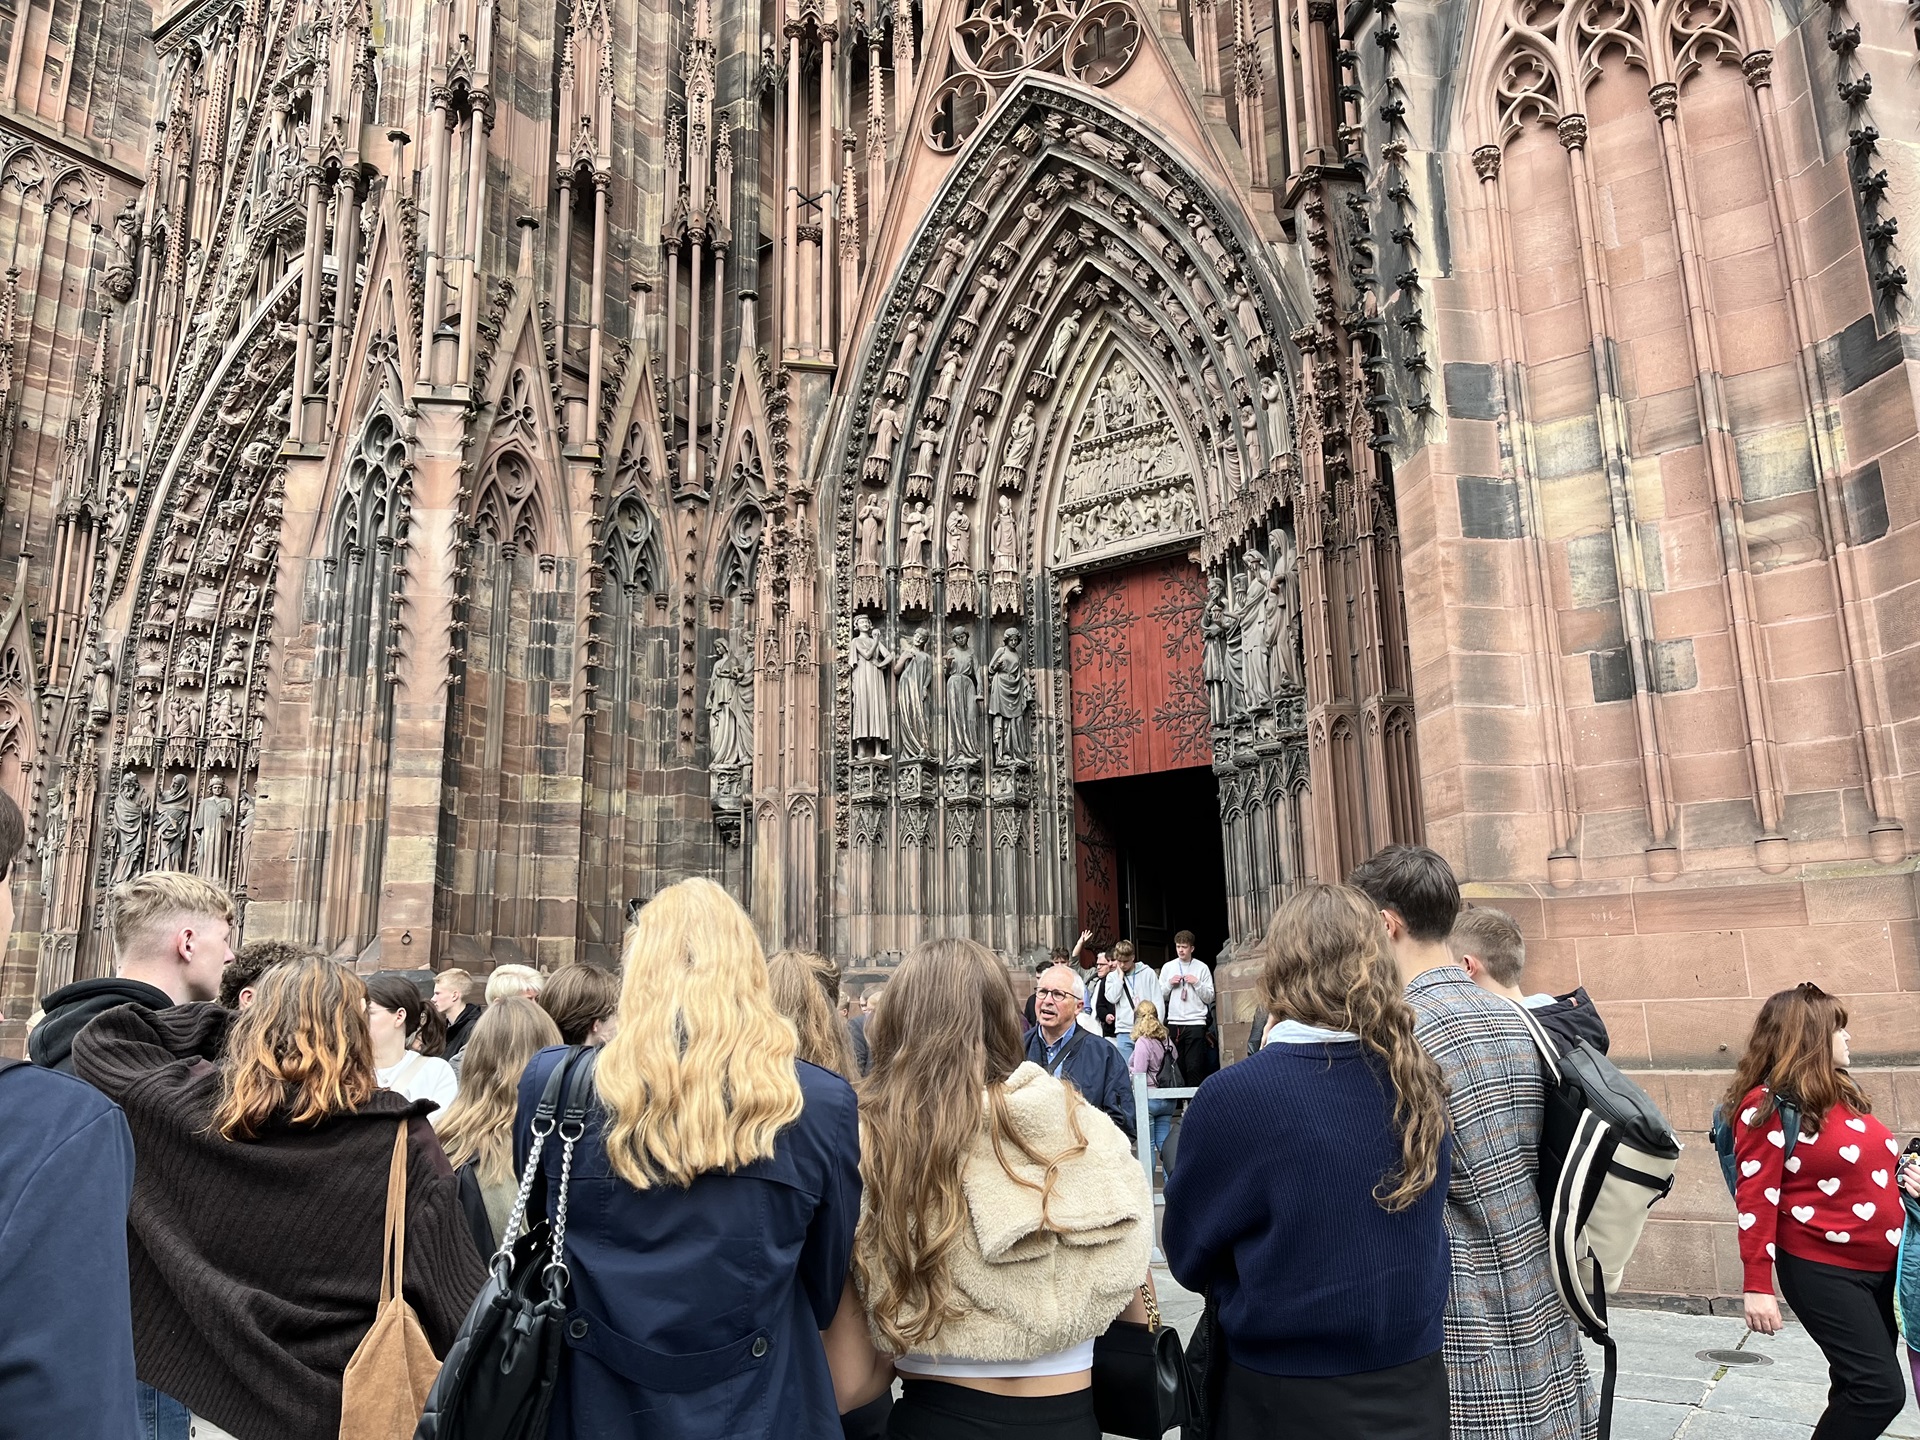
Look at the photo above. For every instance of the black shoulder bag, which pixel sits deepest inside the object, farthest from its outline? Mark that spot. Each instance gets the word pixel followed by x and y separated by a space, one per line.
pixel 499 1375
pixel 1140 1385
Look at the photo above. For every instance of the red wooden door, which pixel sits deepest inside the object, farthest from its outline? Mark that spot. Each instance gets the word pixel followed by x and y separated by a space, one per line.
pixel 1133 645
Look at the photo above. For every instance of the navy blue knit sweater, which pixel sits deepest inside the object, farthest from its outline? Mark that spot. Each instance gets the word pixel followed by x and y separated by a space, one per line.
pixel 1272 1205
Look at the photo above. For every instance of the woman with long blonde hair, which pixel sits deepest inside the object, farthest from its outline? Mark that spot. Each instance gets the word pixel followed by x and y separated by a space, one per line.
pixel 712 1196
pixel 259 1200
pixel 1825 1219
pixel 1324 1247
pixel 477 1130
pixel 806 989
pixel 1006 1221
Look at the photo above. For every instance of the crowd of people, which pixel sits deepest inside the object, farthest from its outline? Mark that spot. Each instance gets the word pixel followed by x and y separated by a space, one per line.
pixel 796 1214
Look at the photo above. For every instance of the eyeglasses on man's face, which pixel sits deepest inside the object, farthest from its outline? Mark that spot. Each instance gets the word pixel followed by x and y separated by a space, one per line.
pixel 1059 997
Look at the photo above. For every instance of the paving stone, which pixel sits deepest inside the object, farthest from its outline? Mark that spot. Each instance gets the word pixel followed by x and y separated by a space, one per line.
pixel 1664 1390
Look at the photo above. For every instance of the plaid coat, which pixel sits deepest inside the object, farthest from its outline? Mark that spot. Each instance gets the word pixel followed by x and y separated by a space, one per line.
pixel 1513 1357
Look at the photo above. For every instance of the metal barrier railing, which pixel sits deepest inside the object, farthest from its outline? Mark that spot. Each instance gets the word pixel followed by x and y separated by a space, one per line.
pixel 1143 1136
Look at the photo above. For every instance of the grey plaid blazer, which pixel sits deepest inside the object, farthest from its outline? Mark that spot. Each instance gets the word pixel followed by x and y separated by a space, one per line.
pixel 1513 1357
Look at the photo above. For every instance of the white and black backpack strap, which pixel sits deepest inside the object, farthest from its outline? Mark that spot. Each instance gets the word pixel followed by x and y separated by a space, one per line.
pixel 1549 1052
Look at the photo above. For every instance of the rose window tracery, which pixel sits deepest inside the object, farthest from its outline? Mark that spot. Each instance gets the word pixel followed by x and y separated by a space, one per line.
pixel 1092 41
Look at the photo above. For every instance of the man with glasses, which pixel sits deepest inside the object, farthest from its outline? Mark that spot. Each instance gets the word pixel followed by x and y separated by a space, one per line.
pixel 1072 1052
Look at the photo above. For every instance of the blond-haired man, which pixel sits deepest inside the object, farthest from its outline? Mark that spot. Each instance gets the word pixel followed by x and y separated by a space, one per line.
pixel 1490 948
pixel 452 989
pixel 168 932
pixel 513 981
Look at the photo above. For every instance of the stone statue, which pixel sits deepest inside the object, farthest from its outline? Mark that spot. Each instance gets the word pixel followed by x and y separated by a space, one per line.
pixel 872 729
pixel 914 536
pixel 729 720
pixel 963 698
pixel 183 729
pixel 100 693
pixel 998 363
pixel 1064 335
pixel 213 831
pixel 1219 662
pixel 1011 696
pixel 1004 543
pixel 959 539
pixel 953 250
pixel 912 337
pixel 171 824
pixel 144 731
pixel 225 717
pixel 131 814
pixel 973 446
pixel 1091 142
pixel 1256 620
pixel 1284 672
pixel 914 666
pixel 1020 437
pixel 873 526
pixel 886 434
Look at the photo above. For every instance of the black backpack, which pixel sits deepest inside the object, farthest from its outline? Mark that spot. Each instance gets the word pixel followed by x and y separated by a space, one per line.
pixel 1167 1076
pixel 1607 1155
pixel 1722 1136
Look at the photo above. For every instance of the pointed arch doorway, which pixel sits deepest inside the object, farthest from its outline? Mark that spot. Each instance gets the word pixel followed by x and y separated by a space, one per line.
pixel 1148 857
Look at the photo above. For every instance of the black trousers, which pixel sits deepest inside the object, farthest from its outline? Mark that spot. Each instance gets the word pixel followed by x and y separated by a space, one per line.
pixel 935 1410
pixel 1849 1314
pixel 1197 1057
pixel 1404 1402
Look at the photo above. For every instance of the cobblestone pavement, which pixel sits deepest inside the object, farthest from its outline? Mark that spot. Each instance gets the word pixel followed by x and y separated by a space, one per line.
pixel 1665 1392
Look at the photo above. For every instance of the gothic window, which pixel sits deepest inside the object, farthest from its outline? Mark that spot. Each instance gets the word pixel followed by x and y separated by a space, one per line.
pixel 634 560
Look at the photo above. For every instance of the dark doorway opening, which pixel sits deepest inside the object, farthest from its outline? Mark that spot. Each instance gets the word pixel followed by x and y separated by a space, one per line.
pixel 1169 870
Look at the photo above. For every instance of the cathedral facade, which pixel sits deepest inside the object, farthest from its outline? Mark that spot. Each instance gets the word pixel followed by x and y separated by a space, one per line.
pixel 996 467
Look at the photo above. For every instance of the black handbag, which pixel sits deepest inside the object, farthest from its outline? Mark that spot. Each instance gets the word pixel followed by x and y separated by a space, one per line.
pixel 1140 1384
pixel 498 1379
pixel 1206 1373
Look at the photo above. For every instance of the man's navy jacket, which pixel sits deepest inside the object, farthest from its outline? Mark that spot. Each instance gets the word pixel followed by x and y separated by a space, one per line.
pixel 1093 1064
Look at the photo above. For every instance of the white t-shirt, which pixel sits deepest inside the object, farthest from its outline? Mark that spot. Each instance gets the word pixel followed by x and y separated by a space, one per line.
pixel 938 1367
pixel 1186 1004
pixel 422 1077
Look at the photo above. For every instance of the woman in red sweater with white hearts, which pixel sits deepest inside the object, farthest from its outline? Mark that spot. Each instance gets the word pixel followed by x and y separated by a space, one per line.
pixel 1828 1217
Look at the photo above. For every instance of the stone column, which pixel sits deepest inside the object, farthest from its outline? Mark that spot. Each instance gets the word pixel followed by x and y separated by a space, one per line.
pixel 1663 860
pixel 1543 619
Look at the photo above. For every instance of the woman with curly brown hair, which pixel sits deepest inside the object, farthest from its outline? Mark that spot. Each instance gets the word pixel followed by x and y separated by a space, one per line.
pixel 1006 1223
pixel 259 1197
pixel 1325 1247
pixel 1826 1219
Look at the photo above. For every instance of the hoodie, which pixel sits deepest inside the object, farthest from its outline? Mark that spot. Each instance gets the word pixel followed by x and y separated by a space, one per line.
pixel 1570 1018
pixel 71 1008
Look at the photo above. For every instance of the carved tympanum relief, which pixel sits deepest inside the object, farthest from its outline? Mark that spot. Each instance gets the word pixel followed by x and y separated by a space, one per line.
pixel 1128 484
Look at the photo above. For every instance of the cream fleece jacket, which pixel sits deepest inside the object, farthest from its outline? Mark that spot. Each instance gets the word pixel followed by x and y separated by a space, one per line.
pixel 1027 1287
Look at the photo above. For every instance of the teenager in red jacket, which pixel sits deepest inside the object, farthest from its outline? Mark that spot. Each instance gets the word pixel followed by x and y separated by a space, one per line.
pixel 1827 1218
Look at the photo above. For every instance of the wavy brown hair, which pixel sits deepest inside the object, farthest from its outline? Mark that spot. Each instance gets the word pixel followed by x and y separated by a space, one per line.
pixel 948 1035
pixel 301 1051
pixel 806 989
pixel 700 1075
pixel 1790 1052
pixel 1329 963
pixel 479 1123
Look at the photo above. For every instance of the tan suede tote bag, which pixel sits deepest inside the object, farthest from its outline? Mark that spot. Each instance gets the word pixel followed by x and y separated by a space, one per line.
pixel 385 1387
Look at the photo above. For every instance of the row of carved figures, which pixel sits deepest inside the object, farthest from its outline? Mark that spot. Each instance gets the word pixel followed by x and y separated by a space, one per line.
pixel 173 821
pixel 1003 688
pixel 1252 651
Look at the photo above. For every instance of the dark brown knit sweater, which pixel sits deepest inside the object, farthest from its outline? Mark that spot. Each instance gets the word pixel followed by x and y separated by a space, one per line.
pixel 256 1264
